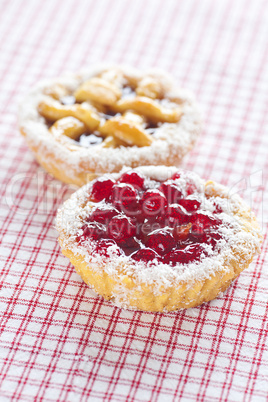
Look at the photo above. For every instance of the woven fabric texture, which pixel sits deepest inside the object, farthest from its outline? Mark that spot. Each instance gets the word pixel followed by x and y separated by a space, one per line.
pixel 59 341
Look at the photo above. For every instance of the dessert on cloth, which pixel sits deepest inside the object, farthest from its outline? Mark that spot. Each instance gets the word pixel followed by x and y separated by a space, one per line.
pixel 99 120
pixel 157 238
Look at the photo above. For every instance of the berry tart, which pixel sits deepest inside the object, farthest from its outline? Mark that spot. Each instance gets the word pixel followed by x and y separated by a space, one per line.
pixel 100 120
pixel 155 238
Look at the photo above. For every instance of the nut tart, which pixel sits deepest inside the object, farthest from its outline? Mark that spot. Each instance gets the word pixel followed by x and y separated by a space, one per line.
pixel 155 238
pixel 105 118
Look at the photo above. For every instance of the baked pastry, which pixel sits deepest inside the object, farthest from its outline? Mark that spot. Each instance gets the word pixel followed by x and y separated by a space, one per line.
pixel 105 118
pixel 155 238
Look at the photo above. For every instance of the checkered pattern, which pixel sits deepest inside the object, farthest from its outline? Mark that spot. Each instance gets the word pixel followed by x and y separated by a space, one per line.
pixel 58 340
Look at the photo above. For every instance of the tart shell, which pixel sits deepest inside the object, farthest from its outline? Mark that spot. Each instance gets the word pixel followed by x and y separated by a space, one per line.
pixel 74 164
pixel 142 297
pixel 126 287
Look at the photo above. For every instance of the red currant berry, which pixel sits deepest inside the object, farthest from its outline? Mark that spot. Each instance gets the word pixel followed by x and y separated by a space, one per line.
pixel 190 204
pixel 130 245
pixel 146 228
pixel 153 203
pixel 202 221
pixel 133 178
pixel 176 215
pixel 124 197
pixel 101 189
pixel 184 256
pixel 121 228
pixel 172 191
pixel 92 231
pixel 145 254
pixel 161 241
pixel 102 214
pixel 107 247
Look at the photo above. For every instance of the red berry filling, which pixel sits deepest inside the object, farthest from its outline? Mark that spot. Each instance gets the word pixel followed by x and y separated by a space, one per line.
pixel 125 198
pixel 172 192
pixel 165 223
pixel 93 231
pixel 101 189
pixel 181 233
pixel 121 228
pixel 183 256
pixel 107 247
pixel 133 178
pixel 190 204
pixel 161 241
pixel 176 215
pixel 153 203
pixel 202 221
pixel 103 214
pixel 145 254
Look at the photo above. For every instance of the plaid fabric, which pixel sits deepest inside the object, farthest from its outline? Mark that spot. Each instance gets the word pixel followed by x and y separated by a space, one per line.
pixel 58 340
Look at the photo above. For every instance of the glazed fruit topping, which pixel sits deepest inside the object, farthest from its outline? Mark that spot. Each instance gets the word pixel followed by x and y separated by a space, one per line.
pixel 172 192
pixel 93 230
pixel 202 221
pixel 190 204
pixel 181 233
pixel 152 221
pixel 153 203
pixel 161 241
pixel 176 215
pixel 125 198
pixel 183 256
pixel 101 189
pixel 106 247
pixel 121 228
pixel 133 178
pixel 145 254
pixel 103 214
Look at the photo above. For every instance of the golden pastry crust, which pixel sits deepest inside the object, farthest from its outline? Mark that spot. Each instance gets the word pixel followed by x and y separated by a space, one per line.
pixel 128 140
pixel 131 286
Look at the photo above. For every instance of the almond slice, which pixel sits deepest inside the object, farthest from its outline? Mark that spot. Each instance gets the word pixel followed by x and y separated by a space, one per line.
pixel 69 126
pixel 53 110
pixel 127 131
pixel 150 108
pixel 98 90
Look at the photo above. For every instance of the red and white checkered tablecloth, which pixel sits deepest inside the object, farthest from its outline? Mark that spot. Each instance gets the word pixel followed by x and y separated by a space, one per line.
pixel 59 341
